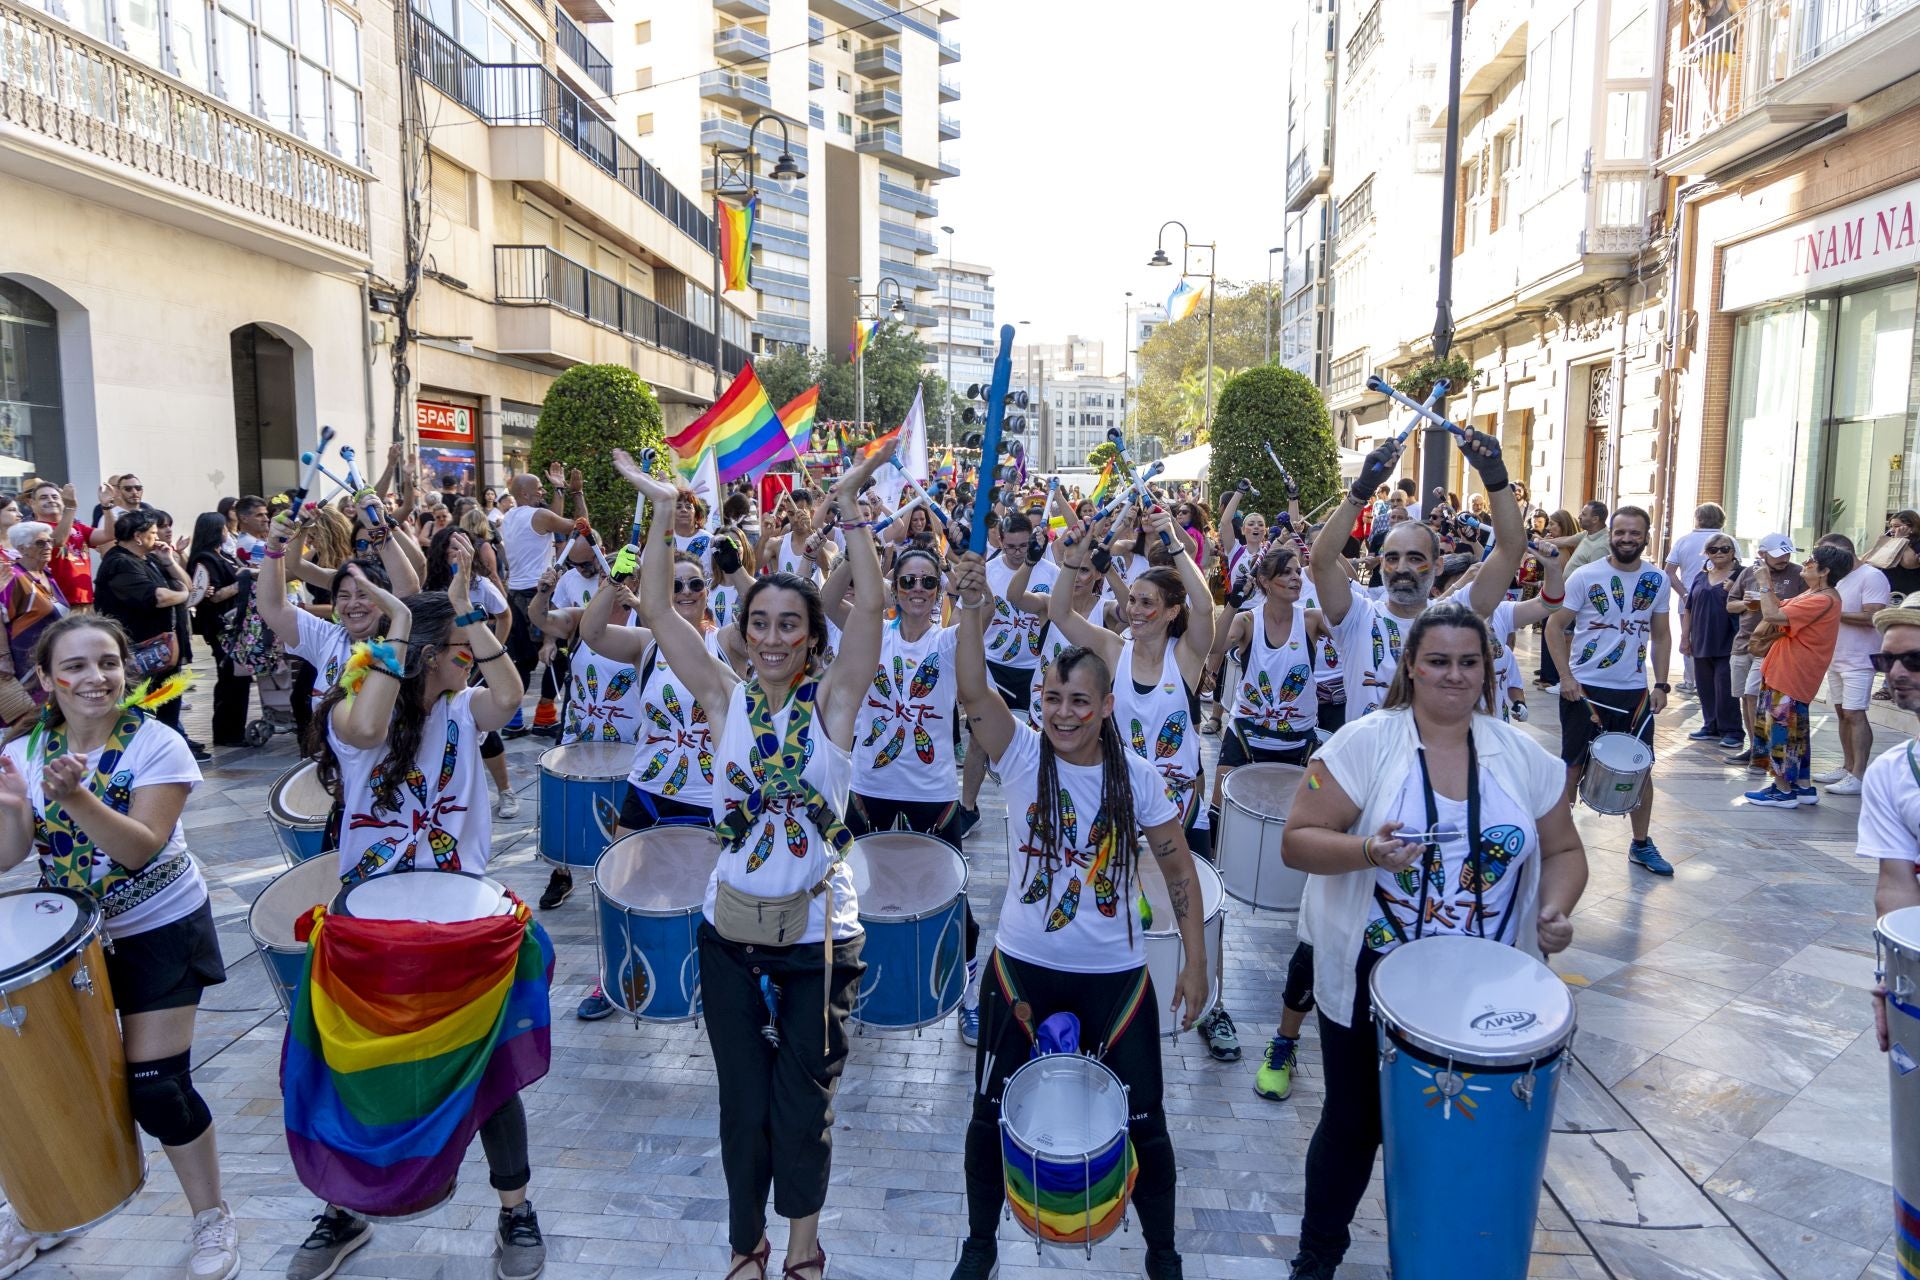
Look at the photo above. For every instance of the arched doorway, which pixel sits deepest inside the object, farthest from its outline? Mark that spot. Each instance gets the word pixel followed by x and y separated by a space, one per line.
pixel 33 437
pixel 265 411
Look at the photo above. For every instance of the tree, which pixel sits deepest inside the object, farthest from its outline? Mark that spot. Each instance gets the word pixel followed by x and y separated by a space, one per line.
pixel 1102 454
pixel 591 410
pixel 1272 406
pixel 788 372
pixel 1177 351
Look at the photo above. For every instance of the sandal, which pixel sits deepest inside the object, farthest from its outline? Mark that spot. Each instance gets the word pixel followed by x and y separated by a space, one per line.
pixel 752 1266
pixel 818 1265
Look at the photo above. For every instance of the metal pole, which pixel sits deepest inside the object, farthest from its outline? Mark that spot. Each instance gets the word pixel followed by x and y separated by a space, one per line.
pixel 1434 451
pixel 719 214
pixel 1206 418
pixel 949 413
pixel 1267 336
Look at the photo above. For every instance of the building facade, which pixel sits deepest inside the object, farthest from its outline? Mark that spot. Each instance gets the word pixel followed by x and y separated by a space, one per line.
pixel 964 337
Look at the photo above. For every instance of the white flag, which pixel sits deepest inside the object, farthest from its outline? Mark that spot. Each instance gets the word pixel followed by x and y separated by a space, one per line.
pixel 910 459
pixel 706 484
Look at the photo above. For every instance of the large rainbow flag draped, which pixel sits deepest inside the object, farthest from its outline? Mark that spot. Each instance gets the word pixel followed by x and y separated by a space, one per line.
pixel 736 243
pixel 404 1038
pixel 797 416
pixel 1184 301
pixel 741 428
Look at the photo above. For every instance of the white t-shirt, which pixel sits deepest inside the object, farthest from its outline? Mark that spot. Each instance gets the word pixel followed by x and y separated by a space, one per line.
pixel 169 887
pixel 486 597
pixel 444 821
pixel 603 704
pixel 1013 637
pixel 903 736
pixel 674 756
pixel 326 645
pixel 1369 639
pixel 528 552
pixel 1075 917
pixel 1890 807
pixel 1855 646
pixel 1688 554
pixel 1509 838
pixel 1613 612
pixel 1506 667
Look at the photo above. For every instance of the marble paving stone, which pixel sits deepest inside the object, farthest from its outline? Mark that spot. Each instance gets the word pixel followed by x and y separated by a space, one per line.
pixel 1808 1192
pixel 1800 1252
pixel 1845 1132
pixel 1762 1044
pixel 1714 1253
pixel 1701 965
pixel 1629 1022
pixel 1696 1096
pixel 1622 1178
pixel 1608 1060
pixel 1656 989
pixel 1581 1105
pixel 1582 968
pixel 1852 968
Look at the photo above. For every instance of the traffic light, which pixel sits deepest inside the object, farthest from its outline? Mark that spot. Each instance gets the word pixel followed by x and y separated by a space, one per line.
pixel 975 413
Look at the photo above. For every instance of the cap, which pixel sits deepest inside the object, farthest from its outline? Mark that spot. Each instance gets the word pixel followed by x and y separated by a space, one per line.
pixel 1777 544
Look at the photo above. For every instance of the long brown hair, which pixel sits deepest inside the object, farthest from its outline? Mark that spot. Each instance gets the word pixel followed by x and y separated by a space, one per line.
pixel 1447 613
pixel 50 714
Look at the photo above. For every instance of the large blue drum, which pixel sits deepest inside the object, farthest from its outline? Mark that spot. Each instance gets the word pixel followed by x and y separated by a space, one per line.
pixel 288 898
pixel 648 891
pixel 913 896
pixel 1897 940
pixel 1472 1040
pixel 581 786
pixel 298 807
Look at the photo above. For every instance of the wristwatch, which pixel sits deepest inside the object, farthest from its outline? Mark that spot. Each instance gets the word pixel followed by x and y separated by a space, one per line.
pixel 1664 687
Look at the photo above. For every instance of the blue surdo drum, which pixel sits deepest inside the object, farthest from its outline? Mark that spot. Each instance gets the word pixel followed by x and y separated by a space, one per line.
pixel 1472 1037
pixel 581 786
pixel 648 891
pixel 289 898
pixel 913 895
pixel 298 807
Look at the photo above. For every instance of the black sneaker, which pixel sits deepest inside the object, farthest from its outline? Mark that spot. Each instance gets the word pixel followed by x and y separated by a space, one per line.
pixel 979 1260
pixel 559 889
pixel 1164 1264
pixel 523 1251
pixel 969 819
pixel 200 754
pixel 336 1233
pixel 1311 1266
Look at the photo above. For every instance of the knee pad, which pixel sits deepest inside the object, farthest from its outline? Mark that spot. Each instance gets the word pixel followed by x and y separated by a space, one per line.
pixel 165 1103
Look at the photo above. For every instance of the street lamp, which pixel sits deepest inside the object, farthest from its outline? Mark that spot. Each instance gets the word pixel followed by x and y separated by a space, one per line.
pixel 1160 259
pixel 1269 300
pixel 736 171
pixel 896 312
pixel 949 412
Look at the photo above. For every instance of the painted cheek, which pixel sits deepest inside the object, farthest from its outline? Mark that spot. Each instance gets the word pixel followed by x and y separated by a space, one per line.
pixel 1083 716
pixel 63 682
pixel 462 659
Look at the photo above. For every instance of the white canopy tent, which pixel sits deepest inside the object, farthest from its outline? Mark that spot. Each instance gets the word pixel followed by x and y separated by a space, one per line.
pixel 1192 464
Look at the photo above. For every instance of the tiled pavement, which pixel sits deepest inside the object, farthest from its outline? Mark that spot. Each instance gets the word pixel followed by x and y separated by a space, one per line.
pixel 1728 1117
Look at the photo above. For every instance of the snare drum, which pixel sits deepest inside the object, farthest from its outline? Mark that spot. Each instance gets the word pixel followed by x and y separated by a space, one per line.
pixel 427 897
pixel 648 892
pixel 912 890
pixel 1472 1037
pixel 1897 939
pixel 68 1153
pixel 298 807
pixel 1165 952
pixel 581 786
pixel 1255 801
pixel 288 899
pixel 1618 765
pixel 1065 1159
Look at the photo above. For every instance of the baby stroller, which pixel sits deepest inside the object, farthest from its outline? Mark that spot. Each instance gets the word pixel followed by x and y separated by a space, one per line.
pixel 275 685
pixel 254 651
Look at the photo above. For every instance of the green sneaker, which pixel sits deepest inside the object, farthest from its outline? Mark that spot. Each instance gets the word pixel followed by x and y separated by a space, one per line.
pixel 1274 1081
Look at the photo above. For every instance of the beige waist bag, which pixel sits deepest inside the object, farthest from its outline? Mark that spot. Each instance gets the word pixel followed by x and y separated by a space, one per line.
pixel 751 920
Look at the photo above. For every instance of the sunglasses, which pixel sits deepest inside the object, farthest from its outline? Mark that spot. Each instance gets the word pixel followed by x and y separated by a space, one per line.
pixel 133 488
pixel 1885 662
pixel 918 582
pixel 1719 551
pixel 687 586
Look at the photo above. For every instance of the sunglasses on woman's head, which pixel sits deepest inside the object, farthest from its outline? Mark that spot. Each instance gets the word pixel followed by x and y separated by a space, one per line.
pixel 1885 662
pixel 918 582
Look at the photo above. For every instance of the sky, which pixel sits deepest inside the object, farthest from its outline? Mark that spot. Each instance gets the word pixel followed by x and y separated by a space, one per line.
pixel 1085 126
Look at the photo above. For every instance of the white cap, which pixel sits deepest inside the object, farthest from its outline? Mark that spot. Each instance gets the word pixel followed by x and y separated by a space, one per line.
pixel 1777 544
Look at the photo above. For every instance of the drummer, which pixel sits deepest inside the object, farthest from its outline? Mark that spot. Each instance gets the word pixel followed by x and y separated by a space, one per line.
pixel 1013 639
pixel 398 742
pixel 1068 946
pixel 1890 790
pixel 1437 760
pixel 113 833
pixel 780 945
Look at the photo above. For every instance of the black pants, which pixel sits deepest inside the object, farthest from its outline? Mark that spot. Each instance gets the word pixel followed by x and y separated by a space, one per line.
pixel 937 818
pixel 1297 995
pixel 1094 998
pixel 503 1136
pixel 776 1104
pixel 304 678
pixel 1340 1157
pixel 232 695
pixel 1719 704
pixel 1548 671
pixel 523 641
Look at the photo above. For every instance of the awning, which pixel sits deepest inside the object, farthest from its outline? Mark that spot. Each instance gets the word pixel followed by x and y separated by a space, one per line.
pixel 1189 464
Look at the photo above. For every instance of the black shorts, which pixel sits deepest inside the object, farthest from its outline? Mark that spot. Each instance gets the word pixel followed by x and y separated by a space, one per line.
pixel 1617 710
pixel 1234 751
pixel 1015 685
pixel 938 818
pixel 491 746
pixel 1333 715
pixel 168 967
pixel 640 810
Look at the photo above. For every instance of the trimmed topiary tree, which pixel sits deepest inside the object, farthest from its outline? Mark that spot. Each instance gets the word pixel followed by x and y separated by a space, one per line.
pixel 1273 406
pixel 591 410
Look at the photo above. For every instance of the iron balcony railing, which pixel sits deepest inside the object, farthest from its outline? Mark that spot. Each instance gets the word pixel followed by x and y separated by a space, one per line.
pixel 737 86
pixel 878 104
pixel 574 43
pixel 65 86
pixel 900 197
pixel 743 43
pixel 1365 39
pixel 525 94
pixel 530 275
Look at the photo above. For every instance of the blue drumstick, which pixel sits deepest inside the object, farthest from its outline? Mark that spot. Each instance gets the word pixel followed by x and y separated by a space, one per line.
pixel 990 442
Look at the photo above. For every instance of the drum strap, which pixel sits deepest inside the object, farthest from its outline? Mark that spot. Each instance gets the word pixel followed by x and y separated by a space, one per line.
pixel 1433 867
pixel 1126 1007
pixel 1913 767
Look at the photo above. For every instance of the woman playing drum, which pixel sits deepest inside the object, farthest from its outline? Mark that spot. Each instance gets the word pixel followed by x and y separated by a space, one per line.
pixel 94 790
pixel 780 946
pixel 398 743
pixel 1436 761
pixel 1080 803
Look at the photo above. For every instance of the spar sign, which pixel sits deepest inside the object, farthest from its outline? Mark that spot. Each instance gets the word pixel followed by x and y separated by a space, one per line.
pixel 1869 237
pixel 448 423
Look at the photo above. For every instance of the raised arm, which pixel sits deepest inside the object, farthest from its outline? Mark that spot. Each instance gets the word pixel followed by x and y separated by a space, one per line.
pixel 1553 588
pixel 859 654
pixel 988 718
pixel 1081 631
pixel 503 686
pixel 365 719
pixel 540 611
pixel 833 593
pixel 1509 532
pixel 600 633
pixel 1330 581
pixel 1197 639
pixel 270 593
pixel 681 643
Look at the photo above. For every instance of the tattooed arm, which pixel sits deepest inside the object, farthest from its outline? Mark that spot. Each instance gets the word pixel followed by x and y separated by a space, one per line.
pixel 1175 860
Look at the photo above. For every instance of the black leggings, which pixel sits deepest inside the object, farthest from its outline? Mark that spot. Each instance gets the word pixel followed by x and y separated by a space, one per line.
pixel 1135 1057
pixel 937 818
pixel 1340 1157
pixel 503 1137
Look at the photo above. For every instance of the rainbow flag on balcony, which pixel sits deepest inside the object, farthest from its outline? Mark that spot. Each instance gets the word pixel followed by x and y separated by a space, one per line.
pixel 863 331
pixel 736 243
pixel 1183 301
pixel 742 429
pixel 797 415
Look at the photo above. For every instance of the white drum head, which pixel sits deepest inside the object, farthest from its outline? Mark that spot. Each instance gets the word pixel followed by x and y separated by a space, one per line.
pixel 1153 883
pixel 33 925
pixel 298 799
pixel 1473 999
pixel 1265 789
pixel 903 874
pixel 1622 753
pixel 660 871
pixel 1063 1106
pixel 598 761
pixel 1901 928
pixel 290 896
pixel 430 897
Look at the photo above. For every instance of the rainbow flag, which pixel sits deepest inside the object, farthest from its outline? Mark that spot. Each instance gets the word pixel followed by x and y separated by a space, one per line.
pixel 1104 485
pixel 736 242
pixel 874 445
pixel 741 428
pixel 797 415
pixel 948 471
pixel 404 1038
pixel 1184 301
pixel 863 331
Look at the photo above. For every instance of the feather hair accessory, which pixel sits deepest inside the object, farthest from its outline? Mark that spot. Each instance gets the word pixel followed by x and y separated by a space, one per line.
pixel 368 655
pixel 147 697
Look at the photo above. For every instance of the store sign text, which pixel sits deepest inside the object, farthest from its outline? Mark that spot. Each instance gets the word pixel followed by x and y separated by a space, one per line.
pixel 1866 238
pixel 450 422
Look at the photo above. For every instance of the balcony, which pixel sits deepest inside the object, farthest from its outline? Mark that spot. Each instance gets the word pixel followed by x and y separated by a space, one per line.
pixel 1493 43
pixel 921 317
pixel 901 237
pixel 574 43
pixel 816 75
pixel 880 142
pixel 816 115
pixel 1348 375
pixel 538 281
pixel 949 89
pixel 898 197
pixel 732 135
pixel 1354 215
pixel 742 8
pixel 1770 71
pixel 587 11
pixel 949 49
pixel 908 276
pixel 949 127
pixel 878 104
pixel 1309 172
pixel 883 62
pixel 816 29
pixel 737 89
pixel 166 150
pixel 740 45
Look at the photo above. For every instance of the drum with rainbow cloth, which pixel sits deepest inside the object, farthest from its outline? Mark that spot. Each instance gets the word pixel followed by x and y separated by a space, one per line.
pixel 1896 938
pixel 1066 1162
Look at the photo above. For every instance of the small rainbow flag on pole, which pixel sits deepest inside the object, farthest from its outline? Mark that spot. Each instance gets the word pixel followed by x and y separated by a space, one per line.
pixel 1183 301
pixel 742 429
pixel 797 415
pixel 863 331
pixel 948 471
pixel 1105 484
pixel 736 243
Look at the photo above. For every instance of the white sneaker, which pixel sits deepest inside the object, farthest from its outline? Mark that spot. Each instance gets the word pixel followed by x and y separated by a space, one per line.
pixel 1553 689
pixel 19 1246
pixel 1830 777
pixel 1848 785
pixel 507 806
pixel 216 1244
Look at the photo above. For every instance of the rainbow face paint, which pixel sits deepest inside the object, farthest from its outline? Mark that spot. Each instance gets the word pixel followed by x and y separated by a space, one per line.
pixel 461 658
pixel 1313 783
pixel 63 682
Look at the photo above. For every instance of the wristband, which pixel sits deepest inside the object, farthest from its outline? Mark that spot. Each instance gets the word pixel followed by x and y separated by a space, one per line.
pixel 471 618
pixel 271 554
pixel 1547 599
pixel 1366 851
pixel 498 653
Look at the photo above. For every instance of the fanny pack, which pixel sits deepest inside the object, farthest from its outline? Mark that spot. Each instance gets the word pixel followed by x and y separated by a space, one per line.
pixel 753 920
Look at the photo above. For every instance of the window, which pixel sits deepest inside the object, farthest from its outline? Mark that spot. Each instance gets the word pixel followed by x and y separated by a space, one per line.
pixel 643 78
pixel 1626 126
pixel 843 121
pixel 1506 158
pixel 842 82
pixel 643 33
pixel 845 44
pixel 1556 107
pixel 643 125
pixel 452 192
pixel 786 262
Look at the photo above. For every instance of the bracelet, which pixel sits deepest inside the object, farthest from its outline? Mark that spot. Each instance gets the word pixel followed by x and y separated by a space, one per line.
pixel 1366 851
pixel 1547 599
pixel 981 603
pixel 853 524
pixel 271 554
pixel 497 653
pixel 470 618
